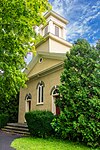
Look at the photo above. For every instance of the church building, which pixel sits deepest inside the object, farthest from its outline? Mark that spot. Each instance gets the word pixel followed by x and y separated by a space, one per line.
pixel 45 68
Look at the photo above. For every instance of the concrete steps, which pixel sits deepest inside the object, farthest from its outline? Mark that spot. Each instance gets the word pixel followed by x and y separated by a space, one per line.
pixel 17 128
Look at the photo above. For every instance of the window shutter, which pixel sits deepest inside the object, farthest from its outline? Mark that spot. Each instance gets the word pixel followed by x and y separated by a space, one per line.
pixel 46 30
pixel 56 31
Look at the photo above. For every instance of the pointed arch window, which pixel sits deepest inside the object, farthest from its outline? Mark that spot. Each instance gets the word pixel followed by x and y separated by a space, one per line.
pixel 40 92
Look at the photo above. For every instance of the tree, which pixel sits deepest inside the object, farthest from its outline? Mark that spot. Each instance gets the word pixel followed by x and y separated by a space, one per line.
pixel 10 108
pixel 80 95
pixel 17 21
pixel 98 45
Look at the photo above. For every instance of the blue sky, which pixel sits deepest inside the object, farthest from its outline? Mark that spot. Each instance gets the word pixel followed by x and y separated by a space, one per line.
pixel 83 17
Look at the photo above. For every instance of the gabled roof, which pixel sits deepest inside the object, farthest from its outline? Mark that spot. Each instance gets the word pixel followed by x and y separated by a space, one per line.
pixel 56 15
pixel 58 58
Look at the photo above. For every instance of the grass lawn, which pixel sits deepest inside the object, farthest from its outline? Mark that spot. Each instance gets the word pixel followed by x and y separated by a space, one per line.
pixel 29 143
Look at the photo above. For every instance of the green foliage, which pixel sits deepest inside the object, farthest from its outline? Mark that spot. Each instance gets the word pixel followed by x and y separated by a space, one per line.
pixel 80 95
pixel 17 21
pixel 10 107
pixel 98 45
pixel 3 120
pixel 39 123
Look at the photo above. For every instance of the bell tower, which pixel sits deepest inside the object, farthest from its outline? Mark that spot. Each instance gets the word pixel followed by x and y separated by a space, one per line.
pixel 54 33
pixel 56 25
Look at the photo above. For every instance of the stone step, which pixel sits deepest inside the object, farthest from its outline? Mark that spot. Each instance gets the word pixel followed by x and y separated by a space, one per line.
pixel 17 128
pixel 16 132
pixel 23 125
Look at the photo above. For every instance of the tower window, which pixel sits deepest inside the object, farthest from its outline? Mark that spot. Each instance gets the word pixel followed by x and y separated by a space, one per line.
pixel 46 30
pixel 56 31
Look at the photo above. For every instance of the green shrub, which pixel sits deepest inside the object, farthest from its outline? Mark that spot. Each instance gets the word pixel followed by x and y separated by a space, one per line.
pixel 3 120
pixel 39 123
pixel 79 99
pixel 80 124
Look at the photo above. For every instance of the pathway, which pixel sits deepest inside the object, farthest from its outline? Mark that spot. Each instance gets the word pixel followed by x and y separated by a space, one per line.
pixel 6 139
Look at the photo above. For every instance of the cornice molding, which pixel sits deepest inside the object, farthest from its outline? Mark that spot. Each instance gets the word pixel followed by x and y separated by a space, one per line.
pixel 55 38
pixel 47 71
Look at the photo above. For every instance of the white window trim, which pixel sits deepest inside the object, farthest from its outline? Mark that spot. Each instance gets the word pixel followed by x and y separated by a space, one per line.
pixel 41 60
pixel 40 95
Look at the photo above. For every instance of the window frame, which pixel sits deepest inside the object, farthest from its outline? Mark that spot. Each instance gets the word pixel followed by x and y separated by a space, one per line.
pixel 45 30
pixel 57 31
pixel 40 93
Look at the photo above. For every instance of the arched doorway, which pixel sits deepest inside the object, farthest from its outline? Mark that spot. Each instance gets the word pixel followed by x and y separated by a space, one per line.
pixel 55 96
pixel 28 99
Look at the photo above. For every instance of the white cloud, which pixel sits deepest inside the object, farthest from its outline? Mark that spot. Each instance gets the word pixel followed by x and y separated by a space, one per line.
pixel 58 6
pixel 80 14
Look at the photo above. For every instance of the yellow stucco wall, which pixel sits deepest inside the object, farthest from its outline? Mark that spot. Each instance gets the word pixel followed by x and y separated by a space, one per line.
pixel 44 47
pixel 49 80
pixel 58 47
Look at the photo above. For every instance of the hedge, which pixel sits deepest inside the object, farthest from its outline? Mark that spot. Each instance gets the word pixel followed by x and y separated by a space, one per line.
pixel 39 123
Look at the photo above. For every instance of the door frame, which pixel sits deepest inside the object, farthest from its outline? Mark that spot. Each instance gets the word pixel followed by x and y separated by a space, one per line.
pixel 54 97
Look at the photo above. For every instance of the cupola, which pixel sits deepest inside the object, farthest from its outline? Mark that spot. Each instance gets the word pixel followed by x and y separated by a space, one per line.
pixel 54 33
pixel 56 25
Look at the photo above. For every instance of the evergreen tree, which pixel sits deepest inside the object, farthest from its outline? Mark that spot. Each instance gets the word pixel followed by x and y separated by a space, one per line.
pixel 80 95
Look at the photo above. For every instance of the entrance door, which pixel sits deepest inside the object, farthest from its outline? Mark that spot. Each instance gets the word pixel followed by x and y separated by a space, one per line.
pixel 55 96
pixel 28 99
pixel 28 107
pixel 57 110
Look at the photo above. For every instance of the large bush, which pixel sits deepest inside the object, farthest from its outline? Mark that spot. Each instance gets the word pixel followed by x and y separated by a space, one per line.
pixel 3 120
pixel 80 95
pixel 39 123
pixel 10 107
